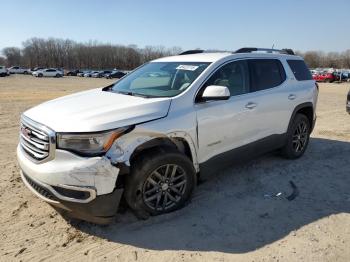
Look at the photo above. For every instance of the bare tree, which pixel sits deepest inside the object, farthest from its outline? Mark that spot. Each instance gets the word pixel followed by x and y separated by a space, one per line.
pixel 2 60
pixel 13 55
pixel 65 53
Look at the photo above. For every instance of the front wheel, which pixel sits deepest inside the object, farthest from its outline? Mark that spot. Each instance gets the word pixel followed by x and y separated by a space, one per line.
pixel 298 137
pixel 160 182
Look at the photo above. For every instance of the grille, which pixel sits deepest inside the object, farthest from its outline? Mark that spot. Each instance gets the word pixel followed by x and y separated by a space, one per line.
pixel 34 141
pixel 40 189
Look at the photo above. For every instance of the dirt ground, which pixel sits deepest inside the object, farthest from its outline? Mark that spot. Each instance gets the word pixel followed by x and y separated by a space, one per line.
pixel 235 216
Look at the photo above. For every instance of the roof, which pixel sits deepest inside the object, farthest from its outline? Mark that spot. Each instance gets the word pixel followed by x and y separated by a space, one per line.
pixel 215 56
pixel 201 57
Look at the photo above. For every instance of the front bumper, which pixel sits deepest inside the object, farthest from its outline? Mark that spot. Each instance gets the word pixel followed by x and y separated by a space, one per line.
pixel 80 187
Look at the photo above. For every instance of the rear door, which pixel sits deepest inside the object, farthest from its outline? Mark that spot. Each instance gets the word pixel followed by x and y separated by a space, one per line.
pixel 269 91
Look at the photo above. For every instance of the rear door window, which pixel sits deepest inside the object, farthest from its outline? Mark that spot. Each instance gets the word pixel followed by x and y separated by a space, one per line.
pixel 300 70
pixel 266 73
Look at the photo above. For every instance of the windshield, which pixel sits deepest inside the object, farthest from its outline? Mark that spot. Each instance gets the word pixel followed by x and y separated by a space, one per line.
pixel 160 79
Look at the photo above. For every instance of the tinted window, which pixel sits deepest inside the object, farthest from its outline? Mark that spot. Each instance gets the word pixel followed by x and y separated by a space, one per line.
pixel 235 76
pixel 266 73
pixel 300 70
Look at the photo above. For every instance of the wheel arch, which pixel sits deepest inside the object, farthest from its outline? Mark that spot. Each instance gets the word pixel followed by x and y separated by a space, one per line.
pixel 178 140
pixel 305 108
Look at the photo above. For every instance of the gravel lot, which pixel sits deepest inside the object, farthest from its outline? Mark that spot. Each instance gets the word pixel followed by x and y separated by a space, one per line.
pixel 235 216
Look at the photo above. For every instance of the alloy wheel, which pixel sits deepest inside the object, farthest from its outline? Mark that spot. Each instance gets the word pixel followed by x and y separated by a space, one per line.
pixel 300 137
pixel 164 187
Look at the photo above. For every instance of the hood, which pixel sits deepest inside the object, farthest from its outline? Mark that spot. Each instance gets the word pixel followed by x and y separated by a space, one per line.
pixel 97 110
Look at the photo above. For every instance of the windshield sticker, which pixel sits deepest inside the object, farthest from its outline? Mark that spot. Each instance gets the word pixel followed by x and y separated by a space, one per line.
pixel 187 67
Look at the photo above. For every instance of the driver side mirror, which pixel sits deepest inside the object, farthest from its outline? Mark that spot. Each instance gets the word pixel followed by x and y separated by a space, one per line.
pixel 214 92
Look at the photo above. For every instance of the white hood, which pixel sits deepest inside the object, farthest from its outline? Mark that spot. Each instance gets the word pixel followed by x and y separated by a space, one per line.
pixel 97 110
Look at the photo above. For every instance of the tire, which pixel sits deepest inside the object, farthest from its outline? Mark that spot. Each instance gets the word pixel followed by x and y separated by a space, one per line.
pixel 152 187
pixel 40 75
pixel 298 137
pixel 58 75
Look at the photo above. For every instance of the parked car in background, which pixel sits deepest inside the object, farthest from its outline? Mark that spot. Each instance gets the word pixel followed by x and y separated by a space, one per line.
pixel 115 74
pixel 49 72
pixel 32 70
pixel 101 73
pixel 82 73
pixel 3 71
pixel 325 77
pixel 89 74
pixel 341 76
pixel 73 72
pixel 18 70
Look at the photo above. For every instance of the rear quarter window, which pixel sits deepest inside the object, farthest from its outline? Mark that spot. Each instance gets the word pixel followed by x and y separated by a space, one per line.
pixel 300 70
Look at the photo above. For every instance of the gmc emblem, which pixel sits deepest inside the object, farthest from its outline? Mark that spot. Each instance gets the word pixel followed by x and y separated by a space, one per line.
pixel 26 132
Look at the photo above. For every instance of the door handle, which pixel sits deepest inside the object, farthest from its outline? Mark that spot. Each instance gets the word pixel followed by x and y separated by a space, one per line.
pixel 250 105
pixel 292 97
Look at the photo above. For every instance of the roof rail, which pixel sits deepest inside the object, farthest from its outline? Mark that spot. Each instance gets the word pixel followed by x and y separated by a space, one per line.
pixel 190 52
pixel 267 50
pixel 199 51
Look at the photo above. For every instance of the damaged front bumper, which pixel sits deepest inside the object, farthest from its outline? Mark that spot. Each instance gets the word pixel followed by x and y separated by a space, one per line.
pixel 80 187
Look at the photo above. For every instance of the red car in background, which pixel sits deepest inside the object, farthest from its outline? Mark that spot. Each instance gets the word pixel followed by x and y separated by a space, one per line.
pixel 325 77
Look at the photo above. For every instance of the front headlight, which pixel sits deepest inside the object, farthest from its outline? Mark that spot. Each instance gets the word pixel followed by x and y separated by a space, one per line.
pixel 89 143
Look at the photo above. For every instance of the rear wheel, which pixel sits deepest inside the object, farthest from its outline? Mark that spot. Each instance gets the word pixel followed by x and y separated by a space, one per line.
pixel 298 137
pixel 40 75
pixel 159 182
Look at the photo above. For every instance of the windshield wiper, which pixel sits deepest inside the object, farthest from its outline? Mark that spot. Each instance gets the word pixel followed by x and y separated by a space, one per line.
pixel 125 93
pixel 129 93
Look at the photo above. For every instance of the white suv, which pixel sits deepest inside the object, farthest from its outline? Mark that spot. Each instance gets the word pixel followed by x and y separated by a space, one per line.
pixel 147 137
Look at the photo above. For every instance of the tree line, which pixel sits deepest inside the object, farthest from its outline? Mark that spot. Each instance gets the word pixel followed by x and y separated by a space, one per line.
pixel 315 59
pixel 68 54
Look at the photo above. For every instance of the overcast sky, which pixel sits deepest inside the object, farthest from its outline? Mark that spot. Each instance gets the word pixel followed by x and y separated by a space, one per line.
pixel 220 24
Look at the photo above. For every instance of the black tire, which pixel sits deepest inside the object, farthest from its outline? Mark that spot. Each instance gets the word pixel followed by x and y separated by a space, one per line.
pixel 58 75
pixel 298 137
pixel 144 183
pixel 40 75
